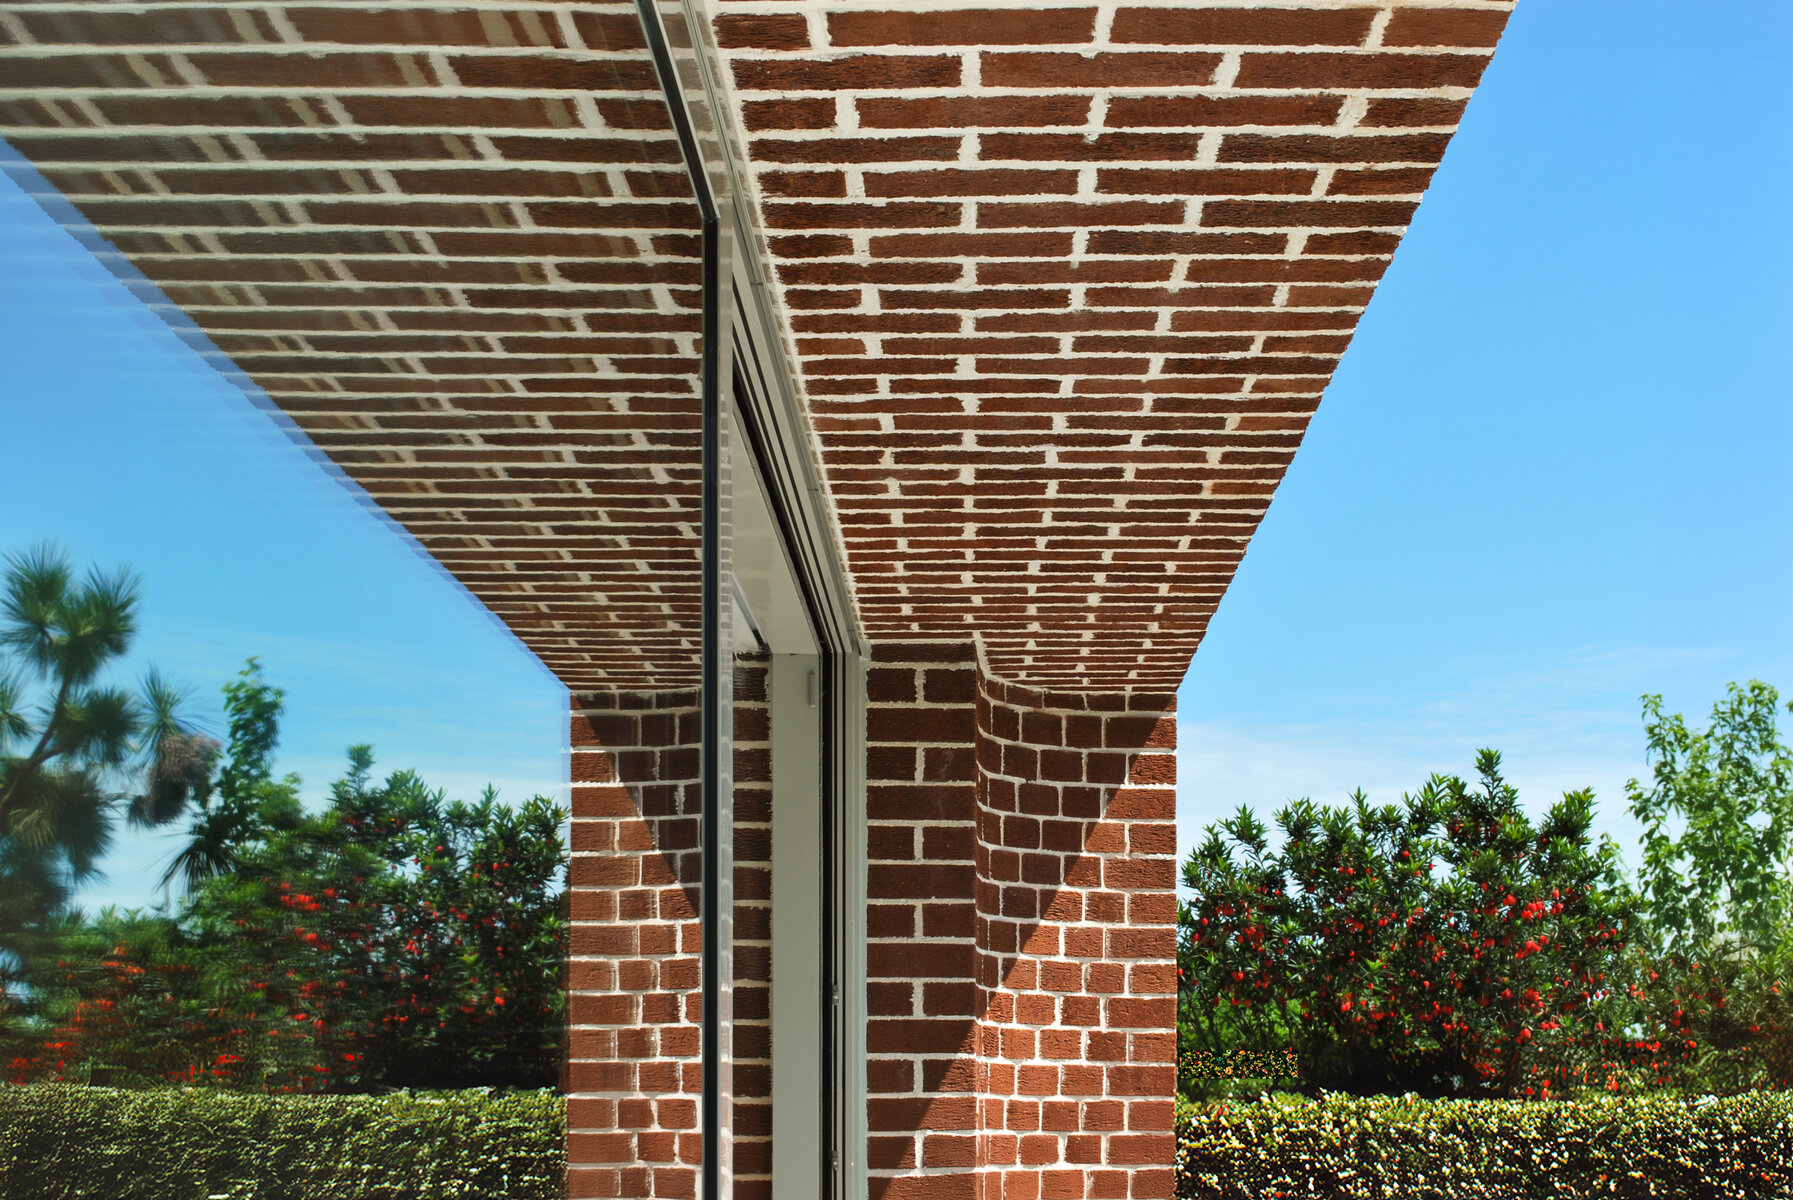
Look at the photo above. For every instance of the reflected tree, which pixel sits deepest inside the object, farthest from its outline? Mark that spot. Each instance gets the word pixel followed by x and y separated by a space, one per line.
pixel 77 753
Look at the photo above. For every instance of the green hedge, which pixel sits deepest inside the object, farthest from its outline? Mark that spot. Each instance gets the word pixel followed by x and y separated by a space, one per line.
pixel 1386 1147
pixel 58 1142
pixel 1237 1064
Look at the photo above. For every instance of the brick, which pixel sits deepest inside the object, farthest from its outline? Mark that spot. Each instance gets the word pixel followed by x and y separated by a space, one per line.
pixel 1041 216
pixel 953 182
pixel 938 725
pixel 1322 213
pixel 814 183
pixel 965 112
pixel 758 115
pixel 1445 27
pixel 1102 70
pixel 897 215
pixel 1005 245
pixel 1305 148
pixel 740 31
pixel 919 881
pixel 973 27
pixel 927 1187
pixel 1384 112
pixel 1243 26
pixel 1142 1014
pixel 923 148
pixel 1141 1081
pixel 1360 70
pixel 936 1113
pixel 1160 1149
pixel 1388 181
pixel 939 1150
pixel 852 71
pixel 1179 112
pixel 1075 147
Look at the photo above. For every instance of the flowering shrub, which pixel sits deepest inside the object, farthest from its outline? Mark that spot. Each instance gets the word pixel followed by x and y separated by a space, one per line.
pixel 1449 947
pixel 417 942
pixel 393 939
pixel 1715 1025
pixel 125 1003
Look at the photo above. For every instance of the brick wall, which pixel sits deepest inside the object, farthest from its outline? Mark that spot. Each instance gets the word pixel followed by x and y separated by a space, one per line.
pixel 1021 986
pixel 634 1050
pixel 752 1042
pixel 455 244
pixel 633 1070
pixel 1063 280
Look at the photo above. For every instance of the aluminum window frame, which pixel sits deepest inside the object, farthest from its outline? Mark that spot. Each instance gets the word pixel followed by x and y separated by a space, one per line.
pixel 756 395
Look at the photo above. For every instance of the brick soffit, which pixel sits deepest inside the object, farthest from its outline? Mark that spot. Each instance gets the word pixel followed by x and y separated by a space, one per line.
pixel 1065 282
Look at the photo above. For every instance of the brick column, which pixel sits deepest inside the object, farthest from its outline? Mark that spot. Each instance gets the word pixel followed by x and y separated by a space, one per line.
pixel 634 1063
pixel 1076 942
pixel 921 923
pixel 1022 962
pixel 633 1071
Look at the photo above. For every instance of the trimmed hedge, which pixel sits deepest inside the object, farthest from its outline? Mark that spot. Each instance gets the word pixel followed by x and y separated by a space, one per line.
pixel 1238 1064
pixel 60 1141
pixel 1655 1145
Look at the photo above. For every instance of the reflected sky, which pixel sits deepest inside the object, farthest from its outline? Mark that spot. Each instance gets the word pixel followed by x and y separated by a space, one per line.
pixel 126 448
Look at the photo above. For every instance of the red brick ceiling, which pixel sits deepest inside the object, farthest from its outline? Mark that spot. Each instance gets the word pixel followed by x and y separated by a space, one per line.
pixel 1065 282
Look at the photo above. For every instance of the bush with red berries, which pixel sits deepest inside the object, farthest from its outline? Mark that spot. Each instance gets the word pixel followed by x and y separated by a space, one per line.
pixel 1447 946
pixel 393 939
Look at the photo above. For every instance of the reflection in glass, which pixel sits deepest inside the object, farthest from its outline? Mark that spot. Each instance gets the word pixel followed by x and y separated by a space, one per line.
pixel 458 249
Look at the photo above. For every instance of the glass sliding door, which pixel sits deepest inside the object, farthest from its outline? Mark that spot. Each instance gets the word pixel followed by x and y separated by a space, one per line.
pixel 784 1088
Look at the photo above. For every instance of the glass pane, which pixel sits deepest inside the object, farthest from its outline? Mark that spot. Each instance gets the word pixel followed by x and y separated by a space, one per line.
pixel 458 248
pixel 456 252
pixel 783 1090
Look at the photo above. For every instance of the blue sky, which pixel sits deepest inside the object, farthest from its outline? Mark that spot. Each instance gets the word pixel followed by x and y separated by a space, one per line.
pixel 1555 469
pixel 1551 474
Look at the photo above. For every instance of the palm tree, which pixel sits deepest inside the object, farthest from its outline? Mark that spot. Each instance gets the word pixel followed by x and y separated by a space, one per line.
pixel 70 761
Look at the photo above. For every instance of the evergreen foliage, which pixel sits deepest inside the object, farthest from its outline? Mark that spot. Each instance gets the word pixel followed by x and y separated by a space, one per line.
pixel 1348 1147
pixel 76 753
pixel 192 1144
pixel 392 939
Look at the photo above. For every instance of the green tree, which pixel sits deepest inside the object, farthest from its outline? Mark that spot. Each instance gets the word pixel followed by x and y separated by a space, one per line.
pixel 74 751
pixel 246 795
pixel 1445 946
pixel 1721 887
pixel 122 1002
pixel 393 939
